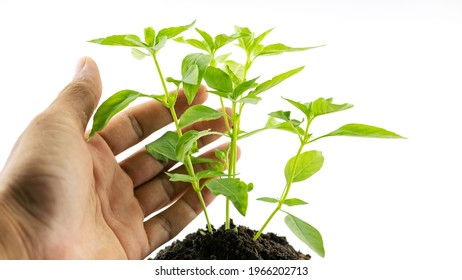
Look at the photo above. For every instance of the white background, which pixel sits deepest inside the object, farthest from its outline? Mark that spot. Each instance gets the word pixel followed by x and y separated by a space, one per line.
pixel 387 209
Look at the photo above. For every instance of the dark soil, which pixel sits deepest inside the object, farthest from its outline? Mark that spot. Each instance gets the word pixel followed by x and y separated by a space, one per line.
pixel 232 244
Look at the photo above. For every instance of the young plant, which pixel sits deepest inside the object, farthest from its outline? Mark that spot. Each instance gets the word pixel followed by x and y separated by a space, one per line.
pixel 230 82
pixel 172 146
pixel 305 164
pixel 228 79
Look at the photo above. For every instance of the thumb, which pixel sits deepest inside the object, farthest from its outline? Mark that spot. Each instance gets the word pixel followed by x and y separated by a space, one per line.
pixel 79 99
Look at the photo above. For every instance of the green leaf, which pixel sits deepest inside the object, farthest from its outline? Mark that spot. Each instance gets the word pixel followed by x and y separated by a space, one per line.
pixel 187 144
pixel 306 233
pixel 174 81
pixel 245 41
pixel 235 70
pixel 256 42
pixel 223 39
pixel 362 130
pixel 323 106
pixel 127 40
pixel 171 32
pixel 276 80
pixel 305 108
pixel 218 80
pixel 198 113
pixel 193 42
pixel 294 202
pixel 205 174
pixel 249 99
pixel 138 54
pixel 160 43
pixel 268 199
pixel 199 60
pixel 176 177
pixel 222 58
pixel 283 115
pixel 307 164
pixel 207 39
pixel 191 75
pixel 149 36
pixel 113 105
pixel 241 88
pixel 164 148
pixel 291 126
pixel 234 189
pixel 275 49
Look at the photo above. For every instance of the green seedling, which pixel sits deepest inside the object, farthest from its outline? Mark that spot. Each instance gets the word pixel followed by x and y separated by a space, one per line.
pixel 305 164
pixel 228 80
pixel 172 146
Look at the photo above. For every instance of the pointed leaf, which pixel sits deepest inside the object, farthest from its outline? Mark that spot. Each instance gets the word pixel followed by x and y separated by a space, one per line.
pixel 283 115
pixel 246 41
pixel 195 59
pixel 268 199
pixel 218 80
pixel 138 54
pixel 113 105
pixel 260 37
pixel 235 70
pixel 127 40
pixel 171 32
pixel 294 202
pixel 205 174
pixel 241 88
pixel 249 99
pixel 276 80
pixel 164 148
pixel 160 43
pixel 193 42
pixel 223 39
pixel 222 58
pixel 305 108
pixel 177 177
pixel 275 49
pixel 191 76
pixel 290 126
pixel 198 113
pixel 234 189
pixel 207 38
pixel 303 167
pixel 323 106
pixel 362 130
pixel 149 35
pixel 187 144
pixel 306 233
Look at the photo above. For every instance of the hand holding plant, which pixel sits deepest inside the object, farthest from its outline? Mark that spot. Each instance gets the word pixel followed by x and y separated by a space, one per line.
pixel 228 80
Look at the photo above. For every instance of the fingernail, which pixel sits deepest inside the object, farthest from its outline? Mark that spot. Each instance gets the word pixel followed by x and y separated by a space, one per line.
pixel 80 65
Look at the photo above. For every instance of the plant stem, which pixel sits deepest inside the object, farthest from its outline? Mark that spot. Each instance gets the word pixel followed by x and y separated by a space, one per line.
pixel 233 156
pixel 285 192
pixel 188 162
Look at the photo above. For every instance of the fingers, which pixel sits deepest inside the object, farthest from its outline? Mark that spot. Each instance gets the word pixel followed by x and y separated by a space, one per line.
pixel 141 166
pixel 76 103
pixel 160 191
pixel 167 224
pixel 138 122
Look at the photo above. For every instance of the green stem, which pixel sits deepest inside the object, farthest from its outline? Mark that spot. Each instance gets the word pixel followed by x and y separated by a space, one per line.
pixel 233 157
pixel 188 162
pixel 286 190
pixel 164 85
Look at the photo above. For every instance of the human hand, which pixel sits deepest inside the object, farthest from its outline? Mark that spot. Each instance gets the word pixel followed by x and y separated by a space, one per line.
pixel 62 197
